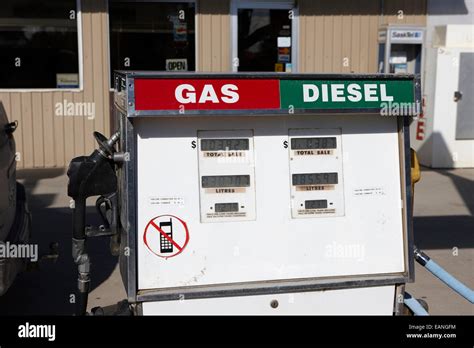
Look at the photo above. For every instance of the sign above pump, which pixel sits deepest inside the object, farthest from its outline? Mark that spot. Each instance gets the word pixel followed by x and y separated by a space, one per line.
pixel 175 94
pixel 203 94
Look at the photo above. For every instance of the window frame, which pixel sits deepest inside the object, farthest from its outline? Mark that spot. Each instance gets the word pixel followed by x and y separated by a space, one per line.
pixel 196 36
pixel 264 4
pixel 80 62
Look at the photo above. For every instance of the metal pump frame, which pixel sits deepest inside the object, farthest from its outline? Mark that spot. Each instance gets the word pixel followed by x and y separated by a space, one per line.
pixel 124 114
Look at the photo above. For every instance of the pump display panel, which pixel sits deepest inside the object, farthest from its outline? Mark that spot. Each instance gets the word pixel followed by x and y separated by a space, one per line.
pixel 315 179
pixel 316 173
pixel 224 144
pixel 313 143
pixel 225 181
pixel 226 167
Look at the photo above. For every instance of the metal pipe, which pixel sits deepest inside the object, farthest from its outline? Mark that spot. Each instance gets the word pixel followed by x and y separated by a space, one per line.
pixel 444 276
pixel 83 285
pixel 79 218
pixel 414 305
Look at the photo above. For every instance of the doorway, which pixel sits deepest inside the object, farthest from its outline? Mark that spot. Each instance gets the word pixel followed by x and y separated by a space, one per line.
pixel 264 36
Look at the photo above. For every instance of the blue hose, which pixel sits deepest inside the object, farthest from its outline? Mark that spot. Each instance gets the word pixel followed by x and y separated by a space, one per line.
pixel 444 276
pixel 450 281
pixel 414 305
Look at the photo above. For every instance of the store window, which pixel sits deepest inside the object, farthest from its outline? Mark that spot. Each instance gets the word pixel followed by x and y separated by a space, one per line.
pixel 264 36
pixel 152 35
pixel 39 44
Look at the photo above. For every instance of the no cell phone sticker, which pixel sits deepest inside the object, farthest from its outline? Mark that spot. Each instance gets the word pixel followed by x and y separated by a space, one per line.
pixel 166 236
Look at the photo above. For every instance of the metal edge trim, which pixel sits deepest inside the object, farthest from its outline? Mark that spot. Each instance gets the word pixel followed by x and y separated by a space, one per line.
pixel 397 304
pixel 408 199
pixel 269 287
pixel 249 113
pixel 132 206
pixel 130 96
pixel 251 75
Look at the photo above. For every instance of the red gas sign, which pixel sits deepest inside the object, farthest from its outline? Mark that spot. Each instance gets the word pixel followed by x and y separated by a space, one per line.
pixel 203 94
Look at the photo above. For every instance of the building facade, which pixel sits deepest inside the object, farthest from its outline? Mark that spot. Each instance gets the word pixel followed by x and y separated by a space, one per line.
pixel 58 55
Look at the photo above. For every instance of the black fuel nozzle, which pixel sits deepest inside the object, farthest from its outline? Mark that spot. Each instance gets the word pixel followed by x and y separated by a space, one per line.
pixel 106 146
pixel 91 175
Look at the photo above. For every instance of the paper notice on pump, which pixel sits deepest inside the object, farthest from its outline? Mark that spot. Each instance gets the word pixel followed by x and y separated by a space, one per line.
pixel 166 201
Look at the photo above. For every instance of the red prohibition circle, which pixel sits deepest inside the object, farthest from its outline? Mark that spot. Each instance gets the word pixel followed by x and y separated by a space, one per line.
pixel 181 247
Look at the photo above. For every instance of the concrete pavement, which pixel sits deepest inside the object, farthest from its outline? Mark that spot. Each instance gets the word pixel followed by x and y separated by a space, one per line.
pixel 444 229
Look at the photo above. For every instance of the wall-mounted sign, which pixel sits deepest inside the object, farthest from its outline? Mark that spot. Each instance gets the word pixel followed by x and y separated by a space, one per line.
pixel 284 54
pixel 177 64
pixel 284 41
pixel 180 29
pixel 67 80
pixel 382 35
pixel 398 59
pixel 406 35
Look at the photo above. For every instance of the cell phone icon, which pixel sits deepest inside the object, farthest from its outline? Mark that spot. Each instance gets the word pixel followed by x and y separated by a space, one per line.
pixel 165 245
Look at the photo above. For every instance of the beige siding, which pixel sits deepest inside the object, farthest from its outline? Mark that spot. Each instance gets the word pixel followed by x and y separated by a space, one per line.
pixel 404 12
pixel 340 36
pixel 213 27
pixel 46 140
pixel 48 132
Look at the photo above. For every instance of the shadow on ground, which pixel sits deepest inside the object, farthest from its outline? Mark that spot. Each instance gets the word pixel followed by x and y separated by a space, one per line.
pixel 447 232
pixel 444 232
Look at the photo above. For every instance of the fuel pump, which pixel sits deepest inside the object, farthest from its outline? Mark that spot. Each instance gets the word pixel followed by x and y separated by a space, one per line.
pixel 255 194
pixel 258 193
pixel 92 175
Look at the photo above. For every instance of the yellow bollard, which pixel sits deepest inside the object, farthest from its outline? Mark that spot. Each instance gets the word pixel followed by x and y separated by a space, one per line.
pixel 415 174
pixel 415 167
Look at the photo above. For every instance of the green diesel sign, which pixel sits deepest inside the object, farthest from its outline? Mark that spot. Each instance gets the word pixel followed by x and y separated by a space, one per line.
pixel 340 94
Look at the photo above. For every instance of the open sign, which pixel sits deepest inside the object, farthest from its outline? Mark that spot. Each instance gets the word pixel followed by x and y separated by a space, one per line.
pixel 177 64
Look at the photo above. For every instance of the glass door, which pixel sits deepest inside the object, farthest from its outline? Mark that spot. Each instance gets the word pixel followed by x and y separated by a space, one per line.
pixel 264 36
